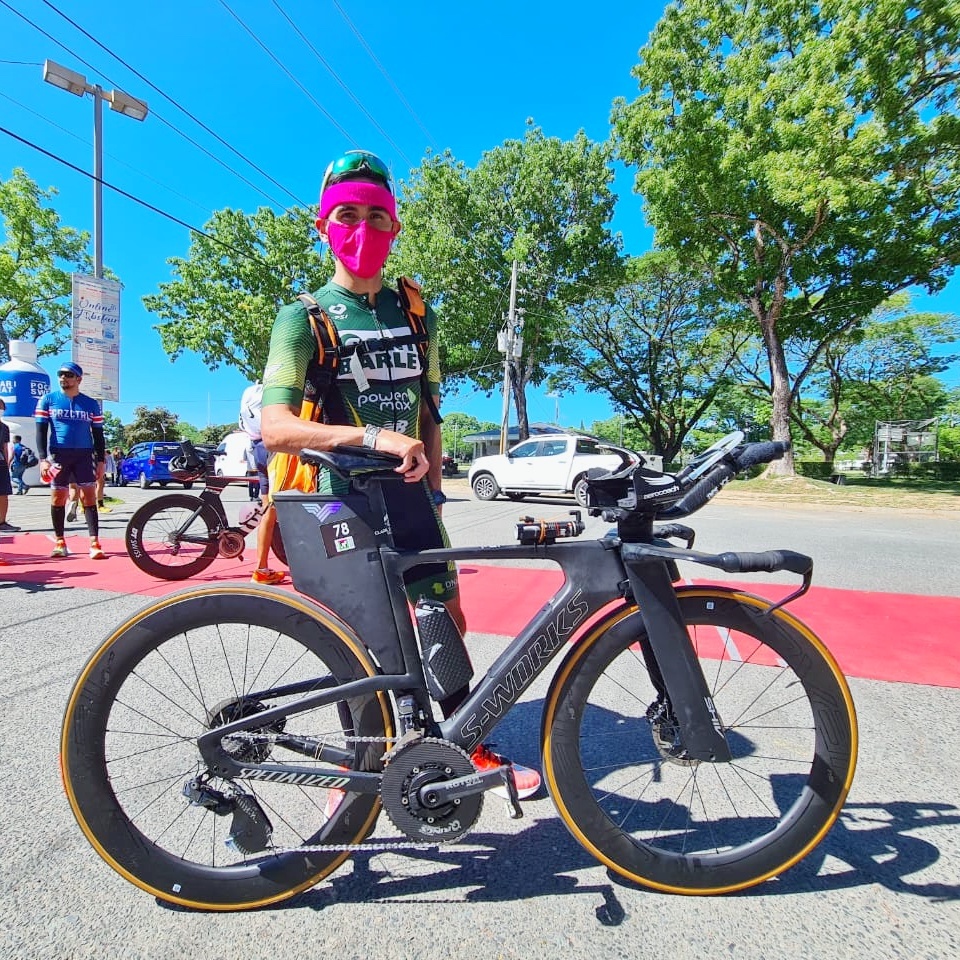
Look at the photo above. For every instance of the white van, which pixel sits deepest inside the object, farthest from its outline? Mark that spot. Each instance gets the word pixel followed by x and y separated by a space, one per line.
pixel 231 455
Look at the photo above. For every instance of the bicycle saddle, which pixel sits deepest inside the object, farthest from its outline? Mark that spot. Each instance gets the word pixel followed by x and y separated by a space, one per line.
pixel 348 461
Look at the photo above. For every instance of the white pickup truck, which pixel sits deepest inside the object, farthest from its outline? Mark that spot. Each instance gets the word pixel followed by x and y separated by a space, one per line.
pixel 551 463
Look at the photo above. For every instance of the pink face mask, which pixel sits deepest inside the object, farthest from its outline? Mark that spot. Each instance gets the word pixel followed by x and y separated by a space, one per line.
pixel 361 248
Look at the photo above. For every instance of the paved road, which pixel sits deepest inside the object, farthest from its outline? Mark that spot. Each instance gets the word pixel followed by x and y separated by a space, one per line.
pixel 884 883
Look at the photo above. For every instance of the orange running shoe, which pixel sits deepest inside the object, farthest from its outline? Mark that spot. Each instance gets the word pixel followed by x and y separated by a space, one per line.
pixel 60 550
pixel 268 576
pixel 96 551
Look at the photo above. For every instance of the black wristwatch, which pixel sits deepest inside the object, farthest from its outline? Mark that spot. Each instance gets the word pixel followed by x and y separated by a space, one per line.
pixel 439 497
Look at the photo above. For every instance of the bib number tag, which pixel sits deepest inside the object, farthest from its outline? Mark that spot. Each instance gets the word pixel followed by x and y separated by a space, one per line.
pixel 343 536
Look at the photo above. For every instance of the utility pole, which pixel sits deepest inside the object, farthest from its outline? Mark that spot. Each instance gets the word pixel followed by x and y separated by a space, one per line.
pixel 510 343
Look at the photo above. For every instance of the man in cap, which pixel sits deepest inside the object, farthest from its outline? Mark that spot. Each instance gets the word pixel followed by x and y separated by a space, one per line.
pixel 71 424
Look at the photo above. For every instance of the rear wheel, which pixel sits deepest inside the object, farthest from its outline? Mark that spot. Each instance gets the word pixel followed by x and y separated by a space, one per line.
pixel 173 537
pixel 485 486
pixel 180 667
pixel 617 771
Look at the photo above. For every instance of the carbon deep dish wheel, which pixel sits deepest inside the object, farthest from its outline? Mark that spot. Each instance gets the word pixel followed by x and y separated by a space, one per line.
pixel 173 671
pixel 163 540
pixel 686 826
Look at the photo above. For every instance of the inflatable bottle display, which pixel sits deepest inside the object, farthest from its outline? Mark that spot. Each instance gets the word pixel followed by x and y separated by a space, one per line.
pixel 22 383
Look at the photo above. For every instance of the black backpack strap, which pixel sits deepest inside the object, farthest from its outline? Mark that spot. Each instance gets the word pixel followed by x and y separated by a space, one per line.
pixel 416 313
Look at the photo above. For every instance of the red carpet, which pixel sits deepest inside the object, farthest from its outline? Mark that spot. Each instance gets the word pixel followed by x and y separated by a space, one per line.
pixel 879 636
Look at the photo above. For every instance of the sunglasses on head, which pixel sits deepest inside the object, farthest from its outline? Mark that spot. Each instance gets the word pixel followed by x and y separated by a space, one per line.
pixel 356 164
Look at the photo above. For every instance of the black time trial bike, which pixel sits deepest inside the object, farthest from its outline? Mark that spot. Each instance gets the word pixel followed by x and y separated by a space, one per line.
pixel 178 535
pixel 230 746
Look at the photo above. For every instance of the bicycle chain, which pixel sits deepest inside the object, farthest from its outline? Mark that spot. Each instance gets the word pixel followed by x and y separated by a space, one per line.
pixel 373 846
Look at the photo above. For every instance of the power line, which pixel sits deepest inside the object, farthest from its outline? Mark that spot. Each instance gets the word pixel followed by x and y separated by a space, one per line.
pixel 156 115
pixel 178 105
pixel 129 166
pixel 383 70
pixel 347 89
pixel 135 199
pixel 284 68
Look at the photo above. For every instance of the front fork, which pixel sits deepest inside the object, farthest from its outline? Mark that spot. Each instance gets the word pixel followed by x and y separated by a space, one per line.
pixel 676 661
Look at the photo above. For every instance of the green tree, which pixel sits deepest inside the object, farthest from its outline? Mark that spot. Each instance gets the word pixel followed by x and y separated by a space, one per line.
pixel 543 202
pixel 455 427
pixel 808 154
pixel 659 346
pixel 37 256
pixel 114 432
pixel 149 424
pixel 624 431
pixel 214 433
pixel 885 370
pixel 227 291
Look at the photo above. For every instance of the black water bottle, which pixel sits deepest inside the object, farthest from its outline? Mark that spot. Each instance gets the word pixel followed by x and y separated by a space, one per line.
pixel 446 663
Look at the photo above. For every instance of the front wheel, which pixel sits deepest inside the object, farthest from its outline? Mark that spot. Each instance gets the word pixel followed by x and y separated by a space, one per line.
pixel 144 482
pixel 618 774
pixel 143 794
pixel 173 537
pixel 485 486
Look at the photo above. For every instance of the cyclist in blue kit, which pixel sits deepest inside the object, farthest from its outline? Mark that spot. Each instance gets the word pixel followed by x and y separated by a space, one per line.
pixel 71 424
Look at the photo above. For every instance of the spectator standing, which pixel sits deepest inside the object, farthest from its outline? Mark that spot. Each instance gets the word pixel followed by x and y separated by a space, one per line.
pixel 17 467
pixel 73 424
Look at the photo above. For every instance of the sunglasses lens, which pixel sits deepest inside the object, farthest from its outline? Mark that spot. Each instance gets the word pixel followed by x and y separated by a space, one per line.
pixel 356 162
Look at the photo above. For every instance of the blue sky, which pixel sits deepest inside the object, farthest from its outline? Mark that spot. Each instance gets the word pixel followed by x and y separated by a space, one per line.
pixel 468 77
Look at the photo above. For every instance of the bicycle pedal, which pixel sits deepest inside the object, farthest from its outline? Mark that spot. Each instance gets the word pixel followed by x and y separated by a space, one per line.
pixel 513 800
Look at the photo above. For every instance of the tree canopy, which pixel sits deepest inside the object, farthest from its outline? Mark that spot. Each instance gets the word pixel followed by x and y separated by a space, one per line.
pixel 37 257
pixel 660 346
pixel 807 154
pixel 228 290
pixel 541 201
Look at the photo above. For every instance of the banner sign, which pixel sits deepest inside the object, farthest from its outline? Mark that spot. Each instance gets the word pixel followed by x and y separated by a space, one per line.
pixel 96 335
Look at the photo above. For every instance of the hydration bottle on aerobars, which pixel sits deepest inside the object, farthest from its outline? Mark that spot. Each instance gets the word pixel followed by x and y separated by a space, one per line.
pixel 446 663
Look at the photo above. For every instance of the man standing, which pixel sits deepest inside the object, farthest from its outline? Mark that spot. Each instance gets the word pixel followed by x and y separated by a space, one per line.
pixel 251 404
pixel 77 451
pixel 17 467
pixel 380 398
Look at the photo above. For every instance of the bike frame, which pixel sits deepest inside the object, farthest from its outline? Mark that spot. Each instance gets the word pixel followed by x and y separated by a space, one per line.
pixel 339 551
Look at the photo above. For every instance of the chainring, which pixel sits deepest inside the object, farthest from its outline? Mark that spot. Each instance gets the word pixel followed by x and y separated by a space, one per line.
pixel 415 766
pixel 230 543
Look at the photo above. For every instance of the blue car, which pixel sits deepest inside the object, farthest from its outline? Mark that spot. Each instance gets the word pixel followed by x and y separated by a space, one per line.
pixel 148 463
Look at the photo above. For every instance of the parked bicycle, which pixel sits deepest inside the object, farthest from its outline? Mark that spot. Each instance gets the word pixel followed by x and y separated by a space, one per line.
pixel 230 746
pixel 178 535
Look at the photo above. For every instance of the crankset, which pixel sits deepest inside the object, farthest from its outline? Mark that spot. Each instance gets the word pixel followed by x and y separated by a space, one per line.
pixel 230 543
pixel 411 794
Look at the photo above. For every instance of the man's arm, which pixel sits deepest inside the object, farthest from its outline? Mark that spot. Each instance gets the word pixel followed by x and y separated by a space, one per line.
pixel 284 431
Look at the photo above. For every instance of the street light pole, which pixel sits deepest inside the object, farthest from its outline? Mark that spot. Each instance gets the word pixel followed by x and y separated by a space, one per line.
pixel 76 83
pixel 97 181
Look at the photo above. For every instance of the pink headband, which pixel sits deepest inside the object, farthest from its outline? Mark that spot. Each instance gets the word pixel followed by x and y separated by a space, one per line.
pixel 357 191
